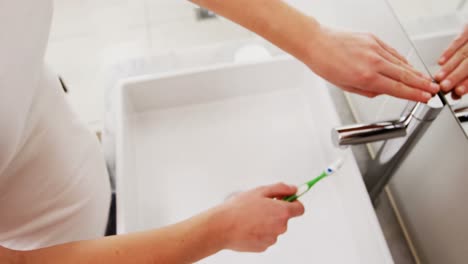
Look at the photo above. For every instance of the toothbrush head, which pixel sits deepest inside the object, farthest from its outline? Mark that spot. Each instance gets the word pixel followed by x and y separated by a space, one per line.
pixel 335 166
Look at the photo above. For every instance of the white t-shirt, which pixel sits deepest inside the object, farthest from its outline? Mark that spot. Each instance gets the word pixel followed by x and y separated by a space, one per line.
pixel 54 186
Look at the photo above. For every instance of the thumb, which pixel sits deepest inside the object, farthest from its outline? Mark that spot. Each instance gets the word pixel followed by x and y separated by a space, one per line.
pixel 278 190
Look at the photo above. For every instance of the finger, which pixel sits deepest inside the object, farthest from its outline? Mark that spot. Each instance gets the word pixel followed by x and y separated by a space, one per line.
pixel 455 96
pixel 401 74
pixel 278 190
pixel 392 51
pixel 398 89
pixel 454 46
pixel 295 209
pixel 461 90
pixel 455 77
pixel 408 67
pixel 359 91
pixel 451 65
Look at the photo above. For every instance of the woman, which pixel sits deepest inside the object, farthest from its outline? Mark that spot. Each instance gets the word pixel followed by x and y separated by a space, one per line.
pixel 53 185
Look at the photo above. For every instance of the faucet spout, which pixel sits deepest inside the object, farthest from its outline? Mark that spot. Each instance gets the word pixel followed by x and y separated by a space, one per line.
pixel 362 134
pixel 382 131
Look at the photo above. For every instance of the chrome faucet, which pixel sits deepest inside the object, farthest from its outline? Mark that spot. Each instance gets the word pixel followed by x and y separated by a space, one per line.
pixel 399 135
pixel 368 133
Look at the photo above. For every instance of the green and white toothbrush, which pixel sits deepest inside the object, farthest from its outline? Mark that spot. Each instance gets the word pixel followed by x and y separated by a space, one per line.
pixel 303 189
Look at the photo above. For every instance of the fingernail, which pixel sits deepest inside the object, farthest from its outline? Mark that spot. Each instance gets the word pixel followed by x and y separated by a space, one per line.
pixel 435 87
pixel 461 90
pixel 442 60
pixel 440 75
pixel 427 96
pixel 446 84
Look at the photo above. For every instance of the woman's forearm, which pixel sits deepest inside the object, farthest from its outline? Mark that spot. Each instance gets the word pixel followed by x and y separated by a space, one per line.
pixel 358 63
pixel 248 222
pixel 185 242
pixel 274 20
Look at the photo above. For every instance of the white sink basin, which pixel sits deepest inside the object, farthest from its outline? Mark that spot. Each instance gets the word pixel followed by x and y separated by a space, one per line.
pixel 188 140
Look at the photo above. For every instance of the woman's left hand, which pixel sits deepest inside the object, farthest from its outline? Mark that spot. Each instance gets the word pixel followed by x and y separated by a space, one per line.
pixel 364 64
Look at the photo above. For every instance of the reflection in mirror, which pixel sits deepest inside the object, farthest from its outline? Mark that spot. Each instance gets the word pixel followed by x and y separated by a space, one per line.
pixel 433 26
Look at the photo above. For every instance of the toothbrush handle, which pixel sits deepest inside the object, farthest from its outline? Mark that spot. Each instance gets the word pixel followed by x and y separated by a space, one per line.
pixel 305 188
pixel 291 198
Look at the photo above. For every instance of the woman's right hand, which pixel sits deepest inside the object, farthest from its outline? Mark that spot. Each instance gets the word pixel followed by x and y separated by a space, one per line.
pixel 254 219
pixel 249 222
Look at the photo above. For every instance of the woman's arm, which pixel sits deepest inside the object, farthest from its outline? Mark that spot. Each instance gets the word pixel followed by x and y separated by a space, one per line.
pixel 251 221
pixel 359 63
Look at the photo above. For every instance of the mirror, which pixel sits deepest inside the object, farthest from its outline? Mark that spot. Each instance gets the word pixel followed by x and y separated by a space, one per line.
pixel 432 25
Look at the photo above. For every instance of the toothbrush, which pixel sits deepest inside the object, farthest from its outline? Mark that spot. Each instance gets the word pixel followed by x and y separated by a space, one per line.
pixel 303 189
